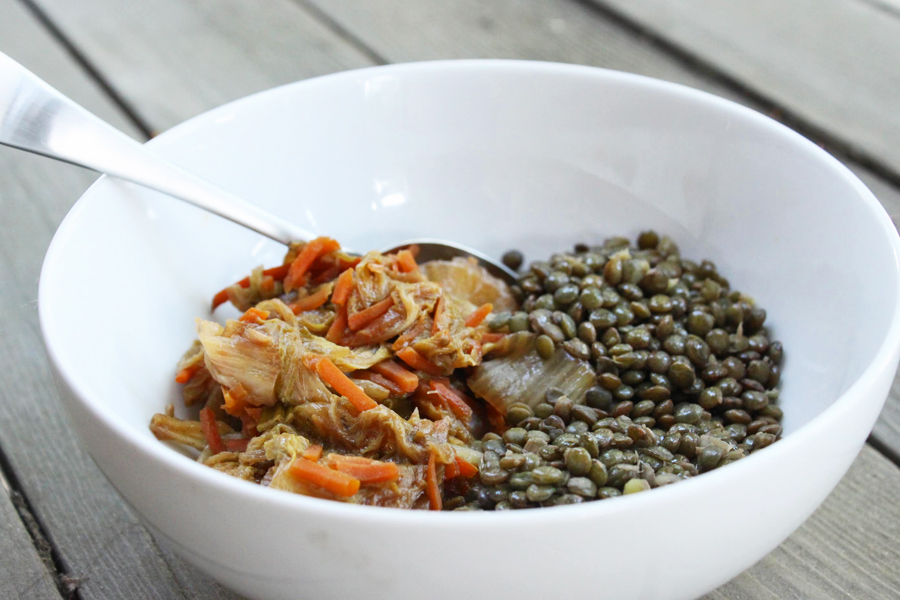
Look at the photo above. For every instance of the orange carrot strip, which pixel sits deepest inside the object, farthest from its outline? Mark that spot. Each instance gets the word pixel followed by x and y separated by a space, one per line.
pixel 451 470
pixel 311 302
pixel 239 445
pixel 364 469
pixel 406 262
pixel 267 284
pixel 211 430
pixel 384 382
pixel 466 469
pixel 343 385
pixel 438 313
pixel 343 287
pixel 313 452
pixel 431 484
pixel 234 400
pixel 333 481
pixel 220 298
pixel 361 318
pixel 185 374
pixel 475 319
pixel 454 400
pixel 419 362
pixel 254 315
pixel 492 338
pixel 276 273
pixel 297 273
pixel 393 371
pixel 338 326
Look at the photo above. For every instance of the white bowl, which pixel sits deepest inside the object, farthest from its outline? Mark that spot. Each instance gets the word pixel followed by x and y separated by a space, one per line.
pixel 494 154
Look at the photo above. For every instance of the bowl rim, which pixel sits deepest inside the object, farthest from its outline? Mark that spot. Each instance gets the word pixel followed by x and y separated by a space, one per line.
pixel 184 466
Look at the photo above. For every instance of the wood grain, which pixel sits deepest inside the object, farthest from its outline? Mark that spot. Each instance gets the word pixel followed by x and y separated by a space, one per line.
pixel 98 538
pixel 847 549
pixel 22 572
pixel 833 63
pixel 171 59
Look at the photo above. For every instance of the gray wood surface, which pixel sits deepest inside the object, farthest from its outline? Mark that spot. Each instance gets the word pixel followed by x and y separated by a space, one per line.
pixel 847 549
pixel 171 59
pixel 23 574
pixel 99 540
pixel 832 63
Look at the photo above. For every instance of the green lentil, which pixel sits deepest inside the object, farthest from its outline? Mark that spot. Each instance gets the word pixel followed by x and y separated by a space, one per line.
pixel 687 377
pixel 633 486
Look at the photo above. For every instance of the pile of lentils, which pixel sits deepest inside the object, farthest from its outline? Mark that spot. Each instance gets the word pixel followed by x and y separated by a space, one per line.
pixel 687 378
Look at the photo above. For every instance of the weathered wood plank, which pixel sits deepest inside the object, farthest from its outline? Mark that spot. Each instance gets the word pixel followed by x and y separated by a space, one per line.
pixel 832 63
pixel 847 549
pixel 22 572
pixel 557 30
pixel 98 538
pixel 171 59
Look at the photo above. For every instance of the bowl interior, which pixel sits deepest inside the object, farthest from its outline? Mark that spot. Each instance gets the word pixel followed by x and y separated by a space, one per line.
pixel 494 155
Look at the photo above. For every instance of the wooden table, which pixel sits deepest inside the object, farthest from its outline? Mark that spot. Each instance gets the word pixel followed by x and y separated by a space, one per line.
pixel 829 68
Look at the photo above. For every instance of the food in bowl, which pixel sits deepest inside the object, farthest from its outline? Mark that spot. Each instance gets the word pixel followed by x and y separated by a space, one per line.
pixel 375 380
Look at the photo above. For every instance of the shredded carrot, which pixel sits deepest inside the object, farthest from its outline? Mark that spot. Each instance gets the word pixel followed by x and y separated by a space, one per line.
pixel 333 481
pixel 492 338
pixel 313 301
pixel 296 276
pixel 419 362
pixel 185 374
pixel 338 326
pixel 455 401
pixel 393 371
pixel 466 469
pixel 267 284
pixel 239 445
pixel 451 470
pixel 220 298
pixel 254 315
pixel 276 273
pixel 364 469
pixel 361 318
pixel 406 262
pixel 431 484
pixel 438 313
pixel 313 452
pixel 211 430
pixel 384 382
pixel 343 385
pixel 475 319
pixel 234 400
pixel 343 287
